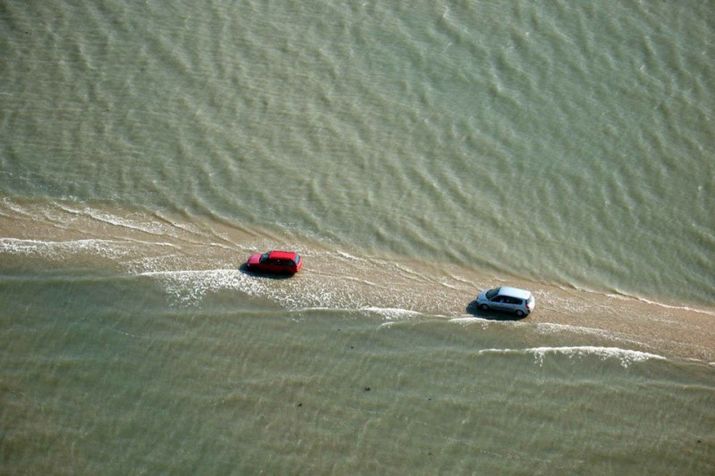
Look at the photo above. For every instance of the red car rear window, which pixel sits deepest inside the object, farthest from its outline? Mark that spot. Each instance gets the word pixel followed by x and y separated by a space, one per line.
pixel 284 255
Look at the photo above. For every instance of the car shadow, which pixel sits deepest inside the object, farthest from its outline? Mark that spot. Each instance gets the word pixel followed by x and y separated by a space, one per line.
pixel 259 274
pixel 474 310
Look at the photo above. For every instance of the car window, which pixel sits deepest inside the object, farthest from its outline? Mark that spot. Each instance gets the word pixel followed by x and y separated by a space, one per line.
pixel 264 258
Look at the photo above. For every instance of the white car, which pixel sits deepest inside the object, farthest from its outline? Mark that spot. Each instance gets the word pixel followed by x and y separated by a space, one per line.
pixel 519 301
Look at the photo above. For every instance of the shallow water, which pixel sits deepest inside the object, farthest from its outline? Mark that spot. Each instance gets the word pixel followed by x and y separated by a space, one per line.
pixel 413 153
pixel 112 378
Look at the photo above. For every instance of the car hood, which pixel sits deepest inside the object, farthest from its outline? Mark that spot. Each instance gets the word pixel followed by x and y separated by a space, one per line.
pixel 254 259
pixel 482 296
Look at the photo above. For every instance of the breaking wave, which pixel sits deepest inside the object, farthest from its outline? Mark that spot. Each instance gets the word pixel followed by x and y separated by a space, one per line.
pixel 624 356
pixel 60 249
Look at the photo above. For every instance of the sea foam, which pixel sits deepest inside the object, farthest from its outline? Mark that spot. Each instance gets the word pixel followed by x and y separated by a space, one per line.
pixel 58 249
pixel 391 313
pixel 625 356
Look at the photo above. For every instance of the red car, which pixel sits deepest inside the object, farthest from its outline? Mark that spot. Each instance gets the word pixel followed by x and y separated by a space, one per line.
pixel 279 262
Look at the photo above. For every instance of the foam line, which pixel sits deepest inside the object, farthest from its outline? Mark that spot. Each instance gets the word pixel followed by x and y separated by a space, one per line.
pixel 391 313
pixel 553 328
pixel 625 356
pixel 152 228
pixel 626 297
pixel 45 248
pixel 349 256
pixel 670 306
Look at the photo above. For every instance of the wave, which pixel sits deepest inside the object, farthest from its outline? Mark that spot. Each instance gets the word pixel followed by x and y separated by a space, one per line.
pixel 300 294
pixel 391 313
pixel 484 322
pixel 671 306
pixel 150 227
pixel 554 328
pixel 626 357
pixel 57 249
pixel 348 256
pixel 624 296
pixel 189 287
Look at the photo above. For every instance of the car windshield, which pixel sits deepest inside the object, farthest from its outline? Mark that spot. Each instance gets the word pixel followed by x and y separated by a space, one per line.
pixel 264 257
pixel 492 292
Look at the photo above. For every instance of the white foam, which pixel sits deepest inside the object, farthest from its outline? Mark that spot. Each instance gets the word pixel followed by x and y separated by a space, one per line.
pixel 449 286
pixel 391 313
pixel 670 306
pixel 58 249
pixel 150 227
pixel 468 320
pixel 349 256
pixel 472 320
pixel 628 297
pixel 484 322
pixel 553 328
pixel 10 205
pixel 387 324
pixel 189 287
pixel 360 281
pixel 188 227
pixel 625 356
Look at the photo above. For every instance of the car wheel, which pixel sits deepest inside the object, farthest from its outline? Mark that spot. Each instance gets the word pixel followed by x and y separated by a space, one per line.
pixel 520 313
pixel 483 307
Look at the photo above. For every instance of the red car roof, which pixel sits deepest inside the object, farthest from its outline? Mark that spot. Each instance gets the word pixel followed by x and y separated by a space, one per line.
pixel 277 254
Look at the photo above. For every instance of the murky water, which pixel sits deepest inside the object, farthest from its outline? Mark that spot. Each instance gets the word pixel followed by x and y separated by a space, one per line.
pixel 413 153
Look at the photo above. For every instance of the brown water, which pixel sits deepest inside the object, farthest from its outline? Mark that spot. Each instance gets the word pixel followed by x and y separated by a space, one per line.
pixel 413 153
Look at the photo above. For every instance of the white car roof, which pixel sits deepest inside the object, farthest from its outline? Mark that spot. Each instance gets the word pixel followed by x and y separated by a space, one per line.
pixel 514 292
